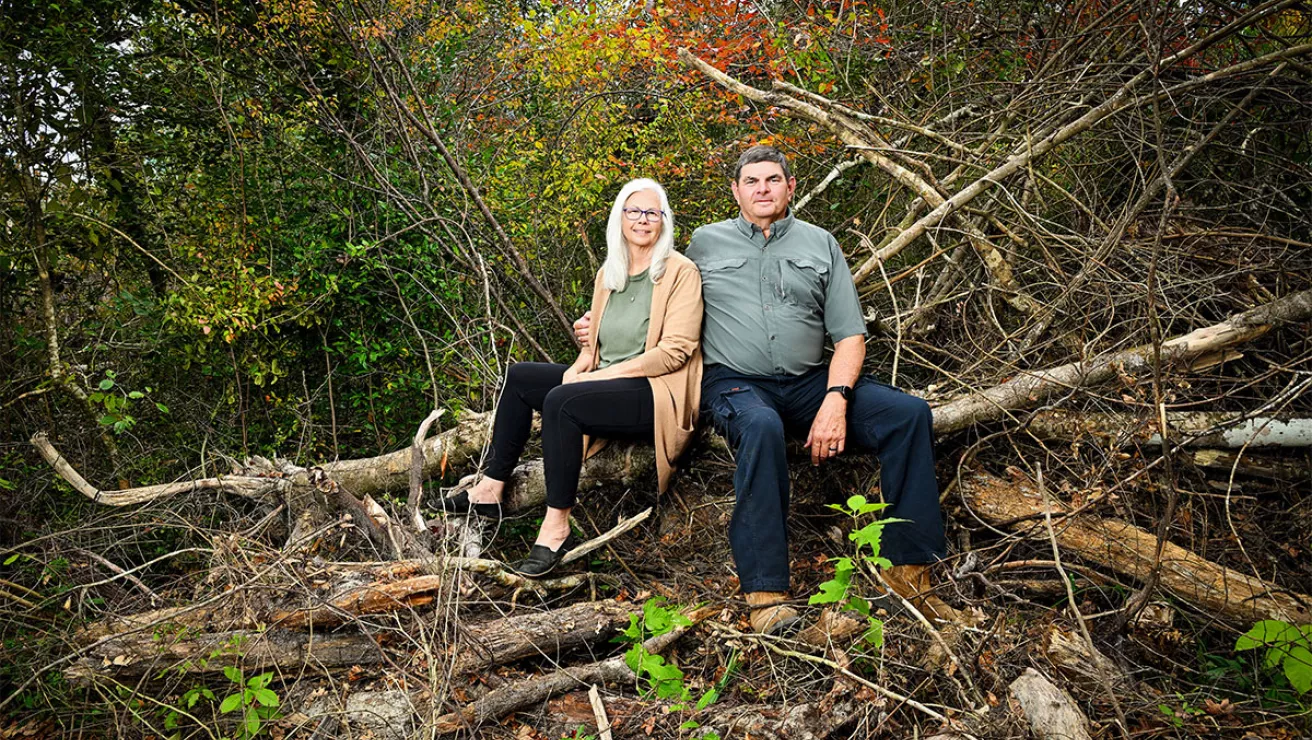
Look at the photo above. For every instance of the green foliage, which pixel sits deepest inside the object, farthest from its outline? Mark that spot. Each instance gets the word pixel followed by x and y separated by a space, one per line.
pixel 252 697
pixel 840 589
pixel 1287 647
pixel 117 402
pixel 665 680
pixel 1179 716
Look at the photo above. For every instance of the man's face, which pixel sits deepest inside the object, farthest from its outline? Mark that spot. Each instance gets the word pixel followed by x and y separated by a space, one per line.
pixel 763 192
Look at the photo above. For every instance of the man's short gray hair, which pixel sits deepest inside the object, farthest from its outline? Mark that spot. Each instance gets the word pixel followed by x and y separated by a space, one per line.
pixel 761 153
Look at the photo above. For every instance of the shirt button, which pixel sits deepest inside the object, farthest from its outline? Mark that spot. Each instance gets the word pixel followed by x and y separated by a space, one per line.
pixel 772 336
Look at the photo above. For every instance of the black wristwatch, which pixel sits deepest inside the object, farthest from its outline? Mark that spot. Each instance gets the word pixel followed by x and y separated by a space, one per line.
pixel 843 390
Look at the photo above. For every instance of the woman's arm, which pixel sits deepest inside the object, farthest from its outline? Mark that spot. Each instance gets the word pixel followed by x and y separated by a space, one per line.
pixel 580 367
pixel 681 332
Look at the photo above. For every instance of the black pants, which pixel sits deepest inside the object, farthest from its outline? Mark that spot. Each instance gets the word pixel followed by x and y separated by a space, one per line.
pixel 611 409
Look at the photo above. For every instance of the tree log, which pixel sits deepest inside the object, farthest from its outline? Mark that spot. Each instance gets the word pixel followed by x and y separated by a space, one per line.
pixel 1030 388
pixel 1195 428
pixel 500 702
pixel 496 642
pixel 1214 589
pixel 1051 712
pixel 1082 664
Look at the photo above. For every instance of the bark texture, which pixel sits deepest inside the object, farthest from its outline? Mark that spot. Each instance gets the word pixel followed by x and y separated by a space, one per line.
pixel 1215 590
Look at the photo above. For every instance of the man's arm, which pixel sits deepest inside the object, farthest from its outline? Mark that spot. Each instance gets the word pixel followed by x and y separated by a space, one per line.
pixel 828 435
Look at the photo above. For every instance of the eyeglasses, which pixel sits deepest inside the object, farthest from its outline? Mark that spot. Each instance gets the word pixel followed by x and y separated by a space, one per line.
pixel 639 214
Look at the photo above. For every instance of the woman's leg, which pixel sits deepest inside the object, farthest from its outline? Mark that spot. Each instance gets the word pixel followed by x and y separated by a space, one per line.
pixel 612 409
pixel 527 385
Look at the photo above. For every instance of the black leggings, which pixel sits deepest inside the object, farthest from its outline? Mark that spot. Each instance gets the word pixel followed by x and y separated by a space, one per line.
pixel 613 409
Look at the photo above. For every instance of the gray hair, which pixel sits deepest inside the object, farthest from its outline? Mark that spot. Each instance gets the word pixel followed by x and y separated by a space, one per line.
pixel 761 153
pixel 615 272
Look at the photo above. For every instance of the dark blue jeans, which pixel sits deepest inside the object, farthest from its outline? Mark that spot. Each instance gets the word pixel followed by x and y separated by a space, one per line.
pixel 755 412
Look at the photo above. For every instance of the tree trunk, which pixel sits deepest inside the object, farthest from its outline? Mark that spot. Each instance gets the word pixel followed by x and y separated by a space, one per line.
pixel 1035 387
pixel 478 646
pixel 1214 589
pixel 1050 712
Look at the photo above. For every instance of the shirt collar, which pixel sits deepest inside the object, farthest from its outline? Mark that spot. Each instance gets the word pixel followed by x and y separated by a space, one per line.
pixel 777 229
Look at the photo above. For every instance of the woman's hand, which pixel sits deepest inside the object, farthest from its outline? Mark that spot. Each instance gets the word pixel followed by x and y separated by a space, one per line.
pixel 571 376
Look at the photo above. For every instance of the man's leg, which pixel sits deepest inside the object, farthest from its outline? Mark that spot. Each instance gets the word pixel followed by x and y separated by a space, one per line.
pixel 758 531
pixel 899 429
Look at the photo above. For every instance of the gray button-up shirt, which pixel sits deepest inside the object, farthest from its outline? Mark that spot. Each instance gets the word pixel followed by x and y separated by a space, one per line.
pixel 770 302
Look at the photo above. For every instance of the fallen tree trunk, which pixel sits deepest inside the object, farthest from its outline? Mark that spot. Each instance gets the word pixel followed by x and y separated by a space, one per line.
pixel 497 642
pixel 1193 429
pixel 1031 388
pixel 1251 465
pixel 1214 589
pixel 1050 712
pixel 526 692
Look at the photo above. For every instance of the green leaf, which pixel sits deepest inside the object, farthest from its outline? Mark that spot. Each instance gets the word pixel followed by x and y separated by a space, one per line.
pixel 831 592
pixel 252 723
pixel 691 724
pixel 260 681
pixel 1298 668
pixel 10 560
pixel 266 697
pixel 106 384
pixel 1267 632
pixel 874 634
pixel 709 698
pixel 230 703
pixel 136 394
pixel 232 673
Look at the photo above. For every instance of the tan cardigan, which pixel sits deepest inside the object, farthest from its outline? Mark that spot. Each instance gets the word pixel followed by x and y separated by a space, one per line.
pixel 672 362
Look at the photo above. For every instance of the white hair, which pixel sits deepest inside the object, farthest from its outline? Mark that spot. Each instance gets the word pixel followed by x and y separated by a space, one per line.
pixel 615 273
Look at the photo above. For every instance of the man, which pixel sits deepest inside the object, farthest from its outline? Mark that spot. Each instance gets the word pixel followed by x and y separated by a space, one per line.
pixel 773 288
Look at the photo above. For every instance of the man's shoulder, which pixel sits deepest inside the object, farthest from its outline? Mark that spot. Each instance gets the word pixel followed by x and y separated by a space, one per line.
pixel 811 231
pixel 715 229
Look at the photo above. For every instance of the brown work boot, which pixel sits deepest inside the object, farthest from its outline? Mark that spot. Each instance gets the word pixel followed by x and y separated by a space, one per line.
pixel 911 582
pixel 770 614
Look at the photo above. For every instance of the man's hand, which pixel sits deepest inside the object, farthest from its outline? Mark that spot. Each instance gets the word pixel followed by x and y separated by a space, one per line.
pixel 828 435
pixel 583 328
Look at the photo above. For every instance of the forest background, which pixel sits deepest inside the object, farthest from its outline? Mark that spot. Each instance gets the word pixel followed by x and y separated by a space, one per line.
pixel 292 228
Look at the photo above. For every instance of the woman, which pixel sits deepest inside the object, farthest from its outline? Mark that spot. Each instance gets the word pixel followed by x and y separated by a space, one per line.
pixel 640 379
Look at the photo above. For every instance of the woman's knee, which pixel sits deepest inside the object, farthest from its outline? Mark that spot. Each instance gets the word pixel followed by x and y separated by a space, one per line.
pixel 518 374
pixel 554 405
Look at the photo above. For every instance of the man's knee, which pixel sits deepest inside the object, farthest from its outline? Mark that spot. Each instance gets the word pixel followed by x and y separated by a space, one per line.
pixel 759 427
pixel 917 412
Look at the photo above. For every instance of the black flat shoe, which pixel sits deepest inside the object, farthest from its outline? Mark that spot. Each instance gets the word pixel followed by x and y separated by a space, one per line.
pixel 542 560
pixel 460 504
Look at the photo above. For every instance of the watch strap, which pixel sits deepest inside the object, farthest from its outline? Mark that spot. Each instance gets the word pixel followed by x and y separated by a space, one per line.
pixel 843 390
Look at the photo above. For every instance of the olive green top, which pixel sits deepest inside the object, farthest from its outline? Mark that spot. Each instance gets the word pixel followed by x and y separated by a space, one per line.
pixel 770 302
pixel 623 331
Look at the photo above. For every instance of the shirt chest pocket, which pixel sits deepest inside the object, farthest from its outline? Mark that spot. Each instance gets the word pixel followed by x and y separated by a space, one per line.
pixel 718 274
pixel 802 282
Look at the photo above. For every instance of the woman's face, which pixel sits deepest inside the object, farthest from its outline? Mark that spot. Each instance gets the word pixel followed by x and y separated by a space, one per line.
pixel 644 232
